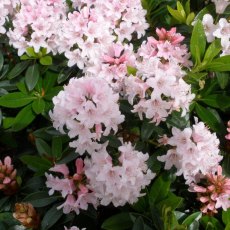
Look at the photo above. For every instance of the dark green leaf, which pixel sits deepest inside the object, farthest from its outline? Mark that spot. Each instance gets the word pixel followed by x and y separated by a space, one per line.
pixel 208 117
pixel 42 147
pixel 217 101
pixel 16 100
pixel 191 218
pixel 198 42
pixel 138 224
pixel 46 60
pixel 53 92
pixel 210 222
pixel 32 76
pixel 223 79
pixel 18 69
pixel 23 118
pixel 57 147
pixel 176 120
pixel 51 217
pixel 38 105
pixel 40 199
pixel 1 60
pixel 147 130
pixel 226 216
pixel 49 81
pixel 120 221
pixel 36 163
pixel 160 189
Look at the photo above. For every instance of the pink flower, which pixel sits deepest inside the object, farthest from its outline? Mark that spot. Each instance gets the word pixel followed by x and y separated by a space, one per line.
pixel 215 193
pixel 228 129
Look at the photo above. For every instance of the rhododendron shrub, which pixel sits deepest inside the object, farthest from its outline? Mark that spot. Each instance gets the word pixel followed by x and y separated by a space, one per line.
pixel 114 114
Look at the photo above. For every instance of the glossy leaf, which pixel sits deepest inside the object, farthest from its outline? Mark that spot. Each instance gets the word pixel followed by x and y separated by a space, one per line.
pixel 223 79
pixel 38 106
pixel 46 60
pixel 40 199
pixel 32 76
pixel 51 217
pixel 15 100
pixel 198 42
pixel 120 221
pixel 23 118
pixel 18 69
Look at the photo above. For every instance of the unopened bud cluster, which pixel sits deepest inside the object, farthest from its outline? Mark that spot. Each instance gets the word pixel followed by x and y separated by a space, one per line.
pixel 26 215
pixel 8 183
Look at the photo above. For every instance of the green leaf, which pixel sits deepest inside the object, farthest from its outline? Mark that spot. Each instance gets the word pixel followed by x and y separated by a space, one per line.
pixel 175 14
pixel 18 69
pixel 38 106
pixel 40 199
pixel 209 222
pixel 138 224
pixel 32 76
pixel 208 117
pixel 175 119
pixel 46 60
pixel 223 79
pixel 7 122
pixel 57 147
pixel 31 53
pixel 187 7
pixel 226 216
pixel 147 130
pixel 120 221
pixel 51 217
pixel 42 147
pixel 53 92
pixel 15 100
pixel 49 81
pixel 198 42
pixel 219 64
pixel 1 61
pixel 212 51
pixel 191 218
pixel 160 189
pixel 217 101
pixel 36 163
pixel 180 9
pixel 23 118
pixel 190 18
pixel 131 70
pixel 171 201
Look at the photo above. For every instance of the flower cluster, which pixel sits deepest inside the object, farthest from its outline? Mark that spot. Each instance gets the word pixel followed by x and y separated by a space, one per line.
pixel 215 193
pixel 121 183
pixel 220 30
pixel 159 86
pixel 88 108
pixel 74 188
pixel 195 152
pixel 8 182
pixel 37 24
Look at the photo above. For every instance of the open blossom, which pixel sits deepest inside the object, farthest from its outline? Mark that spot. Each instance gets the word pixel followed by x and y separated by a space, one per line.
pixel 214 193
pixel 88 108
pixel 122 183
pixel 220 30
pixel 194 152
pixel 74 188
pixel 221 5
pixel 228 130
